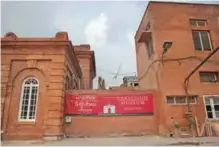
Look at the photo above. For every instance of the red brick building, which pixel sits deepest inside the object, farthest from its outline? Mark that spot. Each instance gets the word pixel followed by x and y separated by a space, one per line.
pixel 35 72
pixel 87 63
pixel 193 30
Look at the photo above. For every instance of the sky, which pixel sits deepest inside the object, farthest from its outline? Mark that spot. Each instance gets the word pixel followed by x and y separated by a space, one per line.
pixel 108 26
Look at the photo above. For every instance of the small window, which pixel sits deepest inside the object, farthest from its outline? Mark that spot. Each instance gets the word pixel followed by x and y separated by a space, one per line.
pixel 150 49
pixel 170 99
pixel 182 99
pixel 202 40
pixel 198 23
pixel 28 101
pixel 209 77
pixel 192 99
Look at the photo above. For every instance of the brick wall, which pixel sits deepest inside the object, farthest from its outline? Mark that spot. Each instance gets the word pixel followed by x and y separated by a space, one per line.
pixel 118 125
pixel 86 60
pixel 170 21
pixel 115 125
pixel 47 60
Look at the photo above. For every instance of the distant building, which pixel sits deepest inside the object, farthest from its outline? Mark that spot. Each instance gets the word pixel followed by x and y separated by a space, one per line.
pixel 130 81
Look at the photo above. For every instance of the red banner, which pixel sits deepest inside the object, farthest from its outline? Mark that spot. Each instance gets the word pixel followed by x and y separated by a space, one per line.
pixel 108 104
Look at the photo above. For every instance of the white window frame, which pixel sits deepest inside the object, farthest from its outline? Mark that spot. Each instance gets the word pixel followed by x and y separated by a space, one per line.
pixel 174 99
pixel 29 99
pixel 216 78
pixel 196 22
pixel 212 107
pixel 199 34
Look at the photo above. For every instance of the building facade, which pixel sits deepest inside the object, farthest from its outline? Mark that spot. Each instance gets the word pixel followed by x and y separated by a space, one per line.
pixel 130 81
pixel 193 31
pixel 87 63
pixel 35 73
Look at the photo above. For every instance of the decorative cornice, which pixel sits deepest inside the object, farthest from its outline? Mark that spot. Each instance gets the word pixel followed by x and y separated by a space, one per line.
pixel 60 40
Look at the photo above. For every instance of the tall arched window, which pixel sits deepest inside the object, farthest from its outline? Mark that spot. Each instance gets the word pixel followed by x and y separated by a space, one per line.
pixel 28 101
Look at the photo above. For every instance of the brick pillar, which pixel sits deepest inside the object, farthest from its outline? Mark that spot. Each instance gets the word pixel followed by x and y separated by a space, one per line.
pixel 5 69
pixel 53 121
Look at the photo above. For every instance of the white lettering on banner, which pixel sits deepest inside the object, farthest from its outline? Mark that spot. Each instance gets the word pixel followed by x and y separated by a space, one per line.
pixel 137 98
pixel 85 101
pixel 86 97
pixel 84 110
pixel 133 100
pixel 85 104
pixel 132 108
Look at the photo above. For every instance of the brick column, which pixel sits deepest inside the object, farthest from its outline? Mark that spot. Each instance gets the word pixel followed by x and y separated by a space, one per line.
pixel 5 69
pixel 53 122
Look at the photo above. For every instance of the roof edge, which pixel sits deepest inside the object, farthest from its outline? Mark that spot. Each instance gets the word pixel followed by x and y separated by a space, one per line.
pixel 59 37
pixel 169 2
pixel 142 18
pixel 185 3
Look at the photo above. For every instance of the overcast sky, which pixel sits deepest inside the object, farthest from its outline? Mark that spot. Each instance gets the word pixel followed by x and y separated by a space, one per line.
pixel 109 28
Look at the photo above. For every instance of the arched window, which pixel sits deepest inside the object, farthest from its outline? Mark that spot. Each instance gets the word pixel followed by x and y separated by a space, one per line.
pixel 28 101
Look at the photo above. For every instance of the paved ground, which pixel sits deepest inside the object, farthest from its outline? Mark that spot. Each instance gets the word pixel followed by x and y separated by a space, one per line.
pixel 121 141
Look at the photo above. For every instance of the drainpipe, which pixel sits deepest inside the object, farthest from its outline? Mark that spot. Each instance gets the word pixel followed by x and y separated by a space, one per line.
pixel 186 81
pixel 188 77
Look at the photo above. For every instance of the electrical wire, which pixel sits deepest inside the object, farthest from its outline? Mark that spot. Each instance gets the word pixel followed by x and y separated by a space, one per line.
pixel 118 71
pixel 119 74
pixel 165 60
pixel 158 60
pixel 193 71
pixel 186 82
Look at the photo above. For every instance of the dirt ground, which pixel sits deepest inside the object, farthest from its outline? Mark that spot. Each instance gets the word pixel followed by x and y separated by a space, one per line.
pixel 121 141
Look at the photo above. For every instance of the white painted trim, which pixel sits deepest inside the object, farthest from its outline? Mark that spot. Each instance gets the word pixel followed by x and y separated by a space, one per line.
pixel 200 38
pixel 21 100
pixel 209 39
pixel 176 104
pixel 206 115
pixel 37 98
pixel 29 100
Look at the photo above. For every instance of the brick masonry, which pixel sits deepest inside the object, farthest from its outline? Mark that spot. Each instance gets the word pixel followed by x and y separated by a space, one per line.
pixel 60 66
pixel 54 63
pixel 170 21
pixel 87 126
